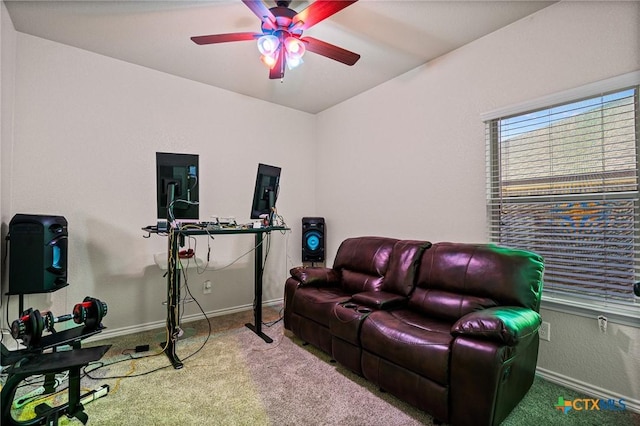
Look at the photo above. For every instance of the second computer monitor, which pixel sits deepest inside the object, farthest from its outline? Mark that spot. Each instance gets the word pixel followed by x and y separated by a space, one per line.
pixel 265 192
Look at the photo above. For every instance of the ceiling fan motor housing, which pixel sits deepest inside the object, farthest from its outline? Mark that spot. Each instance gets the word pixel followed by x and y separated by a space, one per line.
pixel 284 20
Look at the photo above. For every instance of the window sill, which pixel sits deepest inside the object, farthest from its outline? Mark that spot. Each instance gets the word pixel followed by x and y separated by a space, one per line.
pixel 624 315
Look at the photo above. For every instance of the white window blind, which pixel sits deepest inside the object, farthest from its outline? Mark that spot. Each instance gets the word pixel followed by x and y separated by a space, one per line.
pixel 562 181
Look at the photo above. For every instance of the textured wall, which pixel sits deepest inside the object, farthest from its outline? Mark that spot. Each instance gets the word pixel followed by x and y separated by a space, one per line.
pixel 407 159
pixel 87 128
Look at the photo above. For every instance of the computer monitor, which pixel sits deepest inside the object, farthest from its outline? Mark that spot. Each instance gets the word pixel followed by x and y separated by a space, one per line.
pixel 177 186
pixel 265 193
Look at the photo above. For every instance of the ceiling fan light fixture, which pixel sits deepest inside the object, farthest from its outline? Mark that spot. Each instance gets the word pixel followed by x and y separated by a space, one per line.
pixel 269 60
pixel 294 51
pixel 268 45
pixel 294 47
pixel 293 62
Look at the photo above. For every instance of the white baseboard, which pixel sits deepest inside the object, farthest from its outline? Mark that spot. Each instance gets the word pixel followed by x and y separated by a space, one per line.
pixel 109 333
pixel 123 331
pixel 587 388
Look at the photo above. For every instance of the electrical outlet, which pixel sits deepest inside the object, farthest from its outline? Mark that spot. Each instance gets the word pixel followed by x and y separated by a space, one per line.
pixel 602 323
pixel 545 331
pixel 206 287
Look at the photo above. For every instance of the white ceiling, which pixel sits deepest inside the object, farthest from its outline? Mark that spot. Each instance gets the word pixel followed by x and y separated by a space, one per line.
pixel 393 37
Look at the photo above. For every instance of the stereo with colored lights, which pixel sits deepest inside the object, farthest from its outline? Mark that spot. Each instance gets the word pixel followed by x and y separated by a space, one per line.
pixel 313 240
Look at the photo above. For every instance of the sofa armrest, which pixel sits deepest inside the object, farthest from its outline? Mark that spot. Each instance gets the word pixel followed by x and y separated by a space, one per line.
pixel 315 276
pixel 505 324
pixel 379 299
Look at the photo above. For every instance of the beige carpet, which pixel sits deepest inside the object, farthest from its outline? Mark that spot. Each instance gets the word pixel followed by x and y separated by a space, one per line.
pixel 235 379
pixel 238 379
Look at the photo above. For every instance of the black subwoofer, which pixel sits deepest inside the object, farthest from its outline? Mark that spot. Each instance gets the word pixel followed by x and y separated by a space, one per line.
pixel 313 235
pixel 37 253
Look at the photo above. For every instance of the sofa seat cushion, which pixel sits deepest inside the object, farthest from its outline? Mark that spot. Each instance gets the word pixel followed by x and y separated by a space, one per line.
pixel 317 303
pixel 410 340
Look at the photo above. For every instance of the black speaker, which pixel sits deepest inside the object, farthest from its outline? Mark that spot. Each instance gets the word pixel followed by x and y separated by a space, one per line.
pixel 37 254
pixel 313 230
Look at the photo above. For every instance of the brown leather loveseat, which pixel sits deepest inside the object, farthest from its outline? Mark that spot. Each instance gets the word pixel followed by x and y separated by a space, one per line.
pixel 450 328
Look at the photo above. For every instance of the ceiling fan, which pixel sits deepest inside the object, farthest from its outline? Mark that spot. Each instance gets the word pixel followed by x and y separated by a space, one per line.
pixel 280 42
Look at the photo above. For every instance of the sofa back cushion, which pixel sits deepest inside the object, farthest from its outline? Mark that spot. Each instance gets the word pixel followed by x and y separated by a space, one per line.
pixel 403 266
pixel 456 279
pixel 363 262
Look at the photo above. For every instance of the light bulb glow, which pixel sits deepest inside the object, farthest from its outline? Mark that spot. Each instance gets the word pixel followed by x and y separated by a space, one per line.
pixel 268 44
pixel 294 50
pixel 269 60
pixel 293 62
pixel 294 47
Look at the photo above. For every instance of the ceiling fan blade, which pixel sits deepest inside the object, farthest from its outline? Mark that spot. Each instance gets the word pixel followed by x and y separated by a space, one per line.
pixel 224 38
pixel 277 72
pixel 330 51
pixel 260 10
pixel 319 11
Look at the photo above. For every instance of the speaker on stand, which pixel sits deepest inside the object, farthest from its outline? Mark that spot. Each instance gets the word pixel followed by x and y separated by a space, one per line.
pixel 37 254
pixel 313 239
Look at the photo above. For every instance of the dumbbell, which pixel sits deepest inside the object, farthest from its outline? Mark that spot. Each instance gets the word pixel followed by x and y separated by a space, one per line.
pixel 30 326
pixel 90 312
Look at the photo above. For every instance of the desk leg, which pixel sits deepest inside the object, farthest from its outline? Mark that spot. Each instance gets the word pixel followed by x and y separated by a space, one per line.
pixel 257 283
pixel 173 300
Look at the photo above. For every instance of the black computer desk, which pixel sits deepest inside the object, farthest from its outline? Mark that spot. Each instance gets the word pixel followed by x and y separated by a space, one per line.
pixel 176 240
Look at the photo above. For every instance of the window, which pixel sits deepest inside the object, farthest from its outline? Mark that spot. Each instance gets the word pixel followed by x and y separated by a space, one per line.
pixel 563 182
